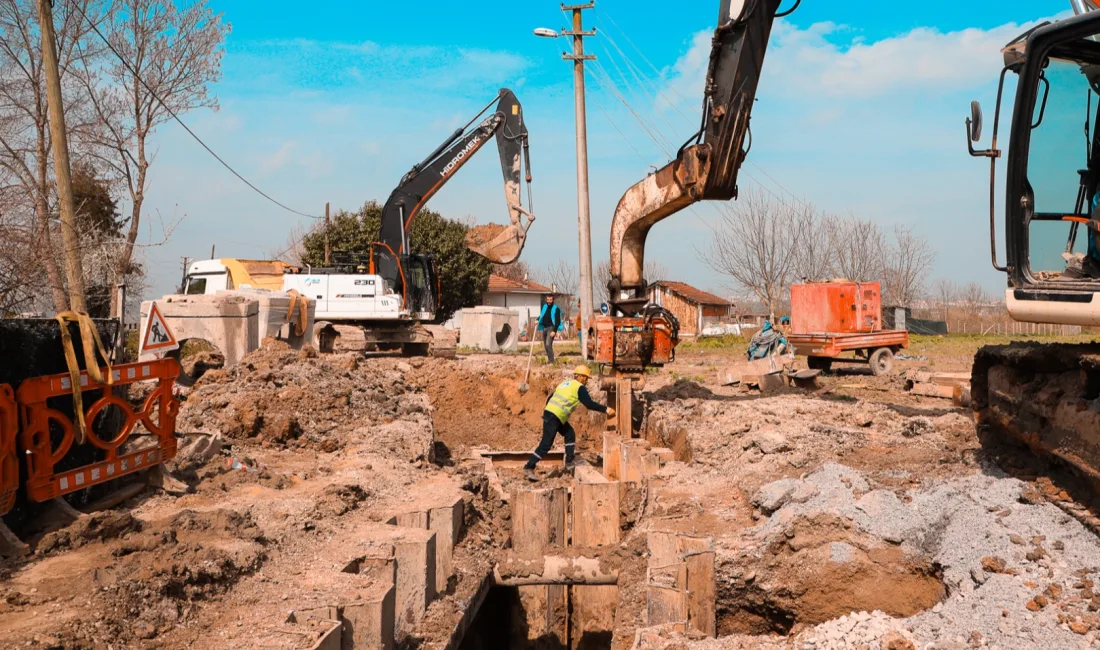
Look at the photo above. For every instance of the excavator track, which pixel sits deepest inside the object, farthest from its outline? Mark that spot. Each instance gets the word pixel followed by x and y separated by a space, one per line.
pixel 1037 408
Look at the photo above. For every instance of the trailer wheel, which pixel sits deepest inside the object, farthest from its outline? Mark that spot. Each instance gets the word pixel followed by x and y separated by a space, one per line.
pixel 881 362
pixel 819 363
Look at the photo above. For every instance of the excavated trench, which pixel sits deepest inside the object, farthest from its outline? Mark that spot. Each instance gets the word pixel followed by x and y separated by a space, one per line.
pixel 816 570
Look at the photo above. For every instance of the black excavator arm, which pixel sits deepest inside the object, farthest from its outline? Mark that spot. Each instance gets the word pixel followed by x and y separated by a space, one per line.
pixel 499 244
pixel 706 166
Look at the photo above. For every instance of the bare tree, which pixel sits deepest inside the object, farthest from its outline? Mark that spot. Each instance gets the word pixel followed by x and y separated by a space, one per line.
pixel 562 277
pixel 754 244
pixel 860 250
pixel 167 59
pixel 25 161
pixel 816 234
pixel 518 271
pixel 906 266
pixel 974 300
pixel 652 271
pixel 945 293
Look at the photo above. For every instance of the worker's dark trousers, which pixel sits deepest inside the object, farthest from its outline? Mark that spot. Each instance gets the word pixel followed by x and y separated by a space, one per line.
pixel 548 342
pixel 551 426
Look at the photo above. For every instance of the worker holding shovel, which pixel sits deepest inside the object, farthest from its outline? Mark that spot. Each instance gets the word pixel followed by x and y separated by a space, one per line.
pixel 555 418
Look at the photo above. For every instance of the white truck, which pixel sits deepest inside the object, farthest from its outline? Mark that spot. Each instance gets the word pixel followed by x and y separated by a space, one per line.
pixel 343 296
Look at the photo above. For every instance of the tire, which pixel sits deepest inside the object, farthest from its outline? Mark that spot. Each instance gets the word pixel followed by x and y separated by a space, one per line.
pixel 819 363
pixel 881 362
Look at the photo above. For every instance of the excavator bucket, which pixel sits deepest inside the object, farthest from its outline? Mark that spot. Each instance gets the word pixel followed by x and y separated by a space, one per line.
pixel 503 244
pixel 499 244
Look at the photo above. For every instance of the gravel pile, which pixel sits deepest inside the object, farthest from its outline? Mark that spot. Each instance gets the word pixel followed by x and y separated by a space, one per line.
pixel 1019 571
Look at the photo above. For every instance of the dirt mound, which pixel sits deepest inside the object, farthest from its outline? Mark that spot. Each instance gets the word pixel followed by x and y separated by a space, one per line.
pixel 821 568
pixel 96 527
pixel 338 500
pixel 145 576
pixel 481 235
pixel 283 397
pixel 480 405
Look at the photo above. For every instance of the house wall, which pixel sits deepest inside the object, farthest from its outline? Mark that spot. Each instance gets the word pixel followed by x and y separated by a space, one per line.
pixel 686 312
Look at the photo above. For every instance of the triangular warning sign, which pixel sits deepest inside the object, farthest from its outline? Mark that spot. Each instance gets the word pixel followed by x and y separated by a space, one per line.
pixel 157 336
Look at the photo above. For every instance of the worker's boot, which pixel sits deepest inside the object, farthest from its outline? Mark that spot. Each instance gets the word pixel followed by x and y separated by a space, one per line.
pixel 530 475
pixel 571 464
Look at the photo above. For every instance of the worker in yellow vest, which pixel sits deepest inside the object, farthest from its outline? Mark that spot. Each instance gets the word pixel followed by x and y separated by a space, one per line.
pixel 555 418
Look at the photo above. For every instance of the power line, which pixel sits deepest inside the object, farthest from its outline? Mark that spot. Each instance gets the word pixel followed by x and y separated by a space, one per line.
pixel 694 110
pixel 137 76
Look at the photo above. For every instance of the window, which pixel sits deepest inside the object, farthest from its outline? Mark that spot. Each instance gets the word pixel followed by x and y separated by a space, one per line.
pixel 196 287
pixel 1065 106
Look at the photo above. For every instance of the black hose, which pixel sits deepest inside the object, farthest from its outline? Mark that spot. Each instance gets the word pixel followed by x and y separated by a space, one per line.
pixel 790 11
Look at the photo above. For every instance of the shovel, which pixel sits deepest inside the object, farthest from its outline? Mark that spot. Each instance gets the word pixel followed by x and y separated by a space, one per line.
pixel 523 387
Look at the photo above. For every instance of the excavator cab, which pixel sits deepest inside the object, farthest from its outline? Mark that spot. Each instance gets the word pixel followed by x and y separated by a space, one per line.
pixel 1053 178
pixel 1044 397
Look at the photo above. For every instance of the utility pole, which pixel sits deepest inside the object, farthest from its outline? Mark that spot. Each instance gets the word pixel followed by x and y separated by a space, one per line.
pixel 328 251
pixel 183 277
pixel 584 229
pixel 70 239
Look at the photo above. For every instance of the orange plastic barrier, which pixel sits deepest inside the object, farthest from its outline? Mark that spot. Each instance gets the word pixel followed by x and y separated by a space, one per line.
pixel 9 460
pixel 43 483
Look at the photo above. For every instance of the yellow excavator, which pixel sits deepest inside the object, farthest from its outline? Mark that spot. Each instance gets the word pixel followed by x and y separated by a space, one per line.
pixel 1045 396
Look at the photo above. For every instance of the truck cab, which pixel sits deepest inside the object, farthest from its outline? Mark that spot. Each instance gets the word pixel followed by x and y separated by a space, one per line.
pixel 344 292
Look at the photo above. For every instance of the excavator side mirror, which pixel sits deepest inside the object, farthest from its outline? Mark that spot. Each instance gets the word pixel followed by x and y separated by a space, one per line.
pixel 974 124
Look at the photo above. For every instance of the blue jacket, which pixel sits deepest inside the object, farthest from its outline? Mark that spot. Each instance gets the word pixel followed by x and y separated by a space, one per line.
pixel 555 316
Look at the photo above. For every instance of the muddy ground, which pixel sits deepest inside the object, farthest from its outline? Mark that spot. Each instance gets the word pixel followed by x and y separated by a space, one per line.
pixel 853 516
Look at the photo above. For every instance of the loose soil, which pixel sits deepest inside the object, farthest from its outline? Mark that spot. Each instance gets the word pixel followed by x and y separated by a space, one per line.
pixel 855 514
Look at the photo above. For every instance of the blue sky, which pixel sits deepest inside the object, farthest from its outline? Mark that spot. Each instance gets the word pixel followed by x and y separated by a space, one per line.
pixel 860 111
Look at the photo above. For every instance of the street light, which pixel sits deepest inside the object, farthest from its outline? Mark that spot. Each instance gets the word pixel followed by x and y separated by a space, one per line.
pixel 584 229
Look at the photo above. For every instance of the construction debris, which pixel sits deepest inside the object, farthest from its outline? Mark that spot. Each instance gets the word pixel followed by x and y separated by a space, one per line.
pixel 947 385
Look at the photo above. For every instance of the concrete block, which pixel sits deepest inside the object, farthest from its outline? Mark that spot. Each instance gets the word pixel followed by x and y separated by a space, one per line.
pixel 275 321
pixel 369 622
pixel 666 605
pixel 702 592
pixel 415 519
pixel 632 462
pixel 493 329
pixel 414 552
pixel 538 521
pixel 446 522
pixel 230 323
pixel 331 638
pixel 611 455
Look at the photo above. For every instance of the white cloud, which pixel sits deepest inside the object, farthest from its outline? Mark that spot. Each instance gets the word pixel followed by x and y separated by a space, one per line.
pixel 278 159
pixel 809 62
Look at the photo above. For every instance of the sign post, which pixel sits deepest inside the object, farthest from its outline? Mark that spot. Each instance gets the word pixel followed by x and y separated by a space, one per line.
pixel 157 337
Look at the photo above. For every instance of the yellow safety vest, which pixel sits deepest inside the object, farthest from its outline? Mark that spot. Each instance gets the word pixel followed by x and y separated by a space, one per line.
pixel 565 399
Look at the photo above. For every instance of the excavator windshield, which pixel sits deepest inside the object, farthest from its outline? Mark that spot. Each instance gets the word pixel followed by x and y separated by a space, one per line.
pixel 1057 169
pixel 1062 174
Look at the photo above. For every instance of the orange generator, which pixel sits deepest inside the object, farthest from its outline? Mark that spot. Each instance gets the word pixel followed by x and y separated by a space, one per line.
pixel 831 318
pixel 841 307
